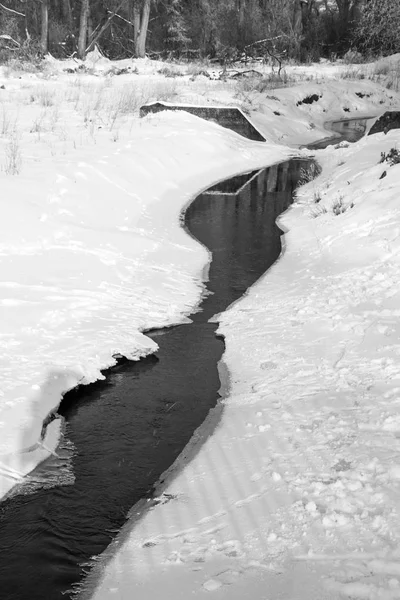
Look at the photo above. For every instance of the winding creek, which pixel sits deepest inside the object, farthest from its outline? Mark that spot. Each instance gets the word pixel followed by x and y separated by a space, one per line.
pixel 123 433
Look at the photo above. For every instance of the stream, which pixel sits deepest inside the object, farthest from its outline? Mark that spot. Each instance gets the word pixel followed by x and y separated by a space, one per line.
pixel 346 130
pixel 121 434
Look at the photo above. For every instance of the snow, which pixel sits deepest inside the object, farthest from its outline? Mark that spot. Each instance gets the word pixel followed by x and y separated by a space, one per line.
pixel 296 492
pixel 92 249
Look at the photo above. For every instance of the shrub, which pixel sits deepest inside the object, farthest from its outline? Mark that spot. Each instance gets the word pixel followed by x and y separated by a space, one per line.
pixel 382 68
pixel 196 69
pixel 353 57
pixel 262 84
pixel 310 173
pixel 339 207
pixel 392 157
pixel 12 164
pixel 318 211
pixel 169 72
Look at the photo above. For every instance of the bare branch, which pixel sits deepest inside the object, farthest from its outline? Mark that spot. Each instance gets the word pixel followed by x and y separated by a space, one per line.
pixel 8 38
pixel 120 17
pixel 11 10
pixel 105 26
pixel 277 37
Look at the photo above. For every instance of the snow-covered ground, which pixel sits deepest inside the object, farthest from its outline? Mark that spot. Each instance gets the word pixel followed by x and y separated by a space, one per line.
pixel 296 493
pixel 93 254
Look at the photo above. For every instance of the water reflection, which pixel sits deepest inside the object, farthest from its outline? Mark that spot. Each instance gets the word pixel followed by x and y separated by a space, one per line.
pixel 352 130
pixel 241 230
pixel 349 130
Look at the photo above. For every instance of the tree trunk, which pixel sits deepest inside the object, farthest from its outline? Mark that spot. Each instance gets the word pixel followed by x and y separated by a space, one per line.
pixel 136 26
pixel 343 7
pixel 297 18
pixel 67 14
pixel 132 27
pixel 144 24
pixel 355 12
pixel 241 8
pixel 90 28
pixel 83 25
pixel 44 31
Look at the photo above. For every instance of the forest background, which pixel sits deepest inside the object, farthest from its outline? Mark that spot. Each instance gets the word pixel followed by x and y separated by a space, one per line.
pixel 221 30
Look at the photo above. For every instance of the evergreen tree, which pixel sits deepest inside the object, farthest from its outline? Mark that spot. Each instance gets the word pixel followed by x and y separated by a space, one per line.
pixel 175 27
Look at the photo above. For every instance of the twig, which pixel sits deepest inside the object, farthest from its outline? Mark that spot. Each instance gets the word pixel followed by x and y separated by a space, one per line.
pixel 120 17
pixel 11 10
pixel 105 26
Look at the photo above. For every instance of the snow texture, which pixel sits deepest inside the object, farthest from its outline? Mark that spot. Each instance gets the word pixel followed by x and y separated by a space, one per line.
pixel 93 254
pixel 296 493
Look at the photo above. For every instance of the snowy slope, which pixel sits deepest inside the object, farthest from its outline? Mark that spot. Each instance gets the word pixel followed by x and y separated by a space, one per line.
pixel 93 254
pixel 296 493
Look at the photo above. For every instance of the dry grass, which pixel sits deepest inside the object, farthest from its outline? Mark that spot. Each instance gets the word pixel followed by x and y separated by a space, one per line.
pixel 86 109
pixel 56 117
pixel 386 72
pixel 12 162
pixel 6 122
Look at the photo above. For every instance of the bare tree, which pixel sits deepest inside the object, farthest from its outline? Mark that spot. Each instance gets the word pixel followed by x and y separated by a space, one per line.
pixel 378 29
pixel 100 30
pixel 83 28
pixel 44 28
pixel 141 18
pixel 67 14
pixel 241 14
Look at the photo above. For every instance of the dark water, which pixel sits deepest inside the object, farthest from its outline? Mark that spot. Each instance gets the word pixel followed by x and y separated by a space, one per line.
pixel 125 432
pixel 349 130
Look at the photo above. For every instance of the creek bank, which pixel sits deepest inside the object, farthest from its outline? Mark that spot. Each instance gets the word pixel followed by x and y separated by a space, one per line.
pixel 230 117
pixel 345 130
pixel 123 433
pixel 389 120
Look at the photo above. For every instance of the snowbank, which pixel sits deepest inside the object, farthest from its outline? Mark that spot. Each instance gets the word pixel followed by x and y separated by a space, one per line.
pixel 304 461
pixel 296 492
pixel 92 255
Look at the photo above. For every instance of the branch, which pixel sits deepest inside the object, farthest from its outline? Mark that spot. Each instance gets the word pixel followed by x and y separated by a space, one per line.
pixel 94 32
pixel 8 38
pixel 11 10
pixel 119 17
pixel 105 26
pixel 277 37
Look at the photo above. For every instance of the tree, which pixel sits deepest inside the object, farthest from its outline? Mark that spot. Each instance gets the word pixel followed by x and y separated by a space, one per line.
pixel 141 11
pixel 348 11
pixel 241 23
pixel 83 28
pixel 175 27
pixel 44 32
pixel 100 30
pixel 378 31
pixel 67 14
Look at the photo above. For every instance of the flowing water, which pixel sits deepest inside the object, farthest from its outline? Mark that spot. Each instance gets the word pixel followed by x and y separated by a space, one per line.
pixel 121 434
pixel 348 130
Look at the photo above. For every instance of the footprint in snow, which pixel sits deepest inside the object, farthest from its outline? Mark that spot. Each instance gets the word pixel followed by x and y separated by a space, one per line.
pixel 227 577
pixel 268 364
